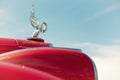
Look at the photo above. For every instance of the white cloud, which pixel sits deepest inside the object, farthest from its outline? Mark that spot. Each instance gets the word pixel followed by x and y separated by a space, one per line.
pixel 7 23
pixel 106 57
pixel 103 11
pixel 1 13
pixel 108 68
pixel 4 16
pixel 107 10
pixel 116 41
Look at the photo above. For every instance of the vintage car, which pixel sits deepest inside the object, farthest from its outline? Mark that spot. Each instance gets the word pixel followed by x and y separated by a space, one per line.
pixel 35 59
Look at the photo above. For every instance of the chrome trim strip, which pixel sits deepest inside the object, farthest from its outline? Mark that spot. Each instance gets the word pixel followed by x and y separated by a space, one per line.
pixel 68 48
pixel 95 70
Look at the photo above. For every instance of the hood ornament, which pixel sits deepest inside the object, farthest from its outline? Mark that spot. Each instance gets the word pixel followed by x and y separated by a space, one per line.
pixel 40 27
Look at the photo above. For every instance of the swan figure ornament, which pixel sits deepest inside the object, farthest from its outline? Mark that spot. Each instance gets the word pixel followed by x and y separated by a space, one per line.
pixel 40 27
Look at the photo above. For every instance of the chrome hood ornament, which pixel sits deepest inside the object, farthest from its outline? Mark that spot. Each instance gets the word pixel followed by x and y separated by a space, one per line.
pixel 40 27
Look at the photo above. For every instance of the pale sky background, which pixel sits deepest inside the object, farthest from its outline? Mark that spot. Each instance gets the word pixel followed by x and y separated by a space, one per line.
pixel 90 25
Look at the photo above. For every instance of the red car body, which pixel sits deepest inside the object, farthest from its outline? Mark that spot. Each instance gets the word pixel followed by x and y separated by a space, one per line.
pixel 35 59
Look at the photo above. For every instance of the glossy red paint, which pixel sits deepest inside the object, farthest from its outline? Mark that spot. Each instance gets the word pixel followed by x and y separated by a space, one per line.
pixel 63 63
pixel 17 72
pixel 7 44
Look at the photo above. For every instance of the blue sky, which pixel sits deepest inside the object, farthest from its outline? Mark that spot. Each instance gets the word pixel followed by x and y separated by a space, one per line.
pixel 91 25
